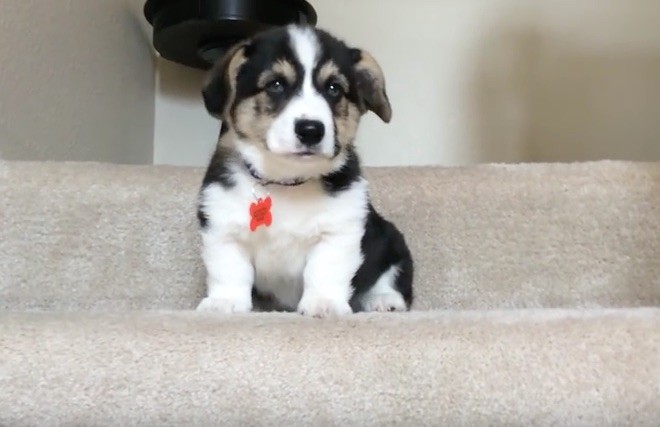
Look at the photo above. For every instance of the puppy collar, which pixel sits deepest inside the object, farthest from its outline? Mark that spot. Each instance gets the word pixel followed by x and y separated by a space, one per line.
pixel 264 182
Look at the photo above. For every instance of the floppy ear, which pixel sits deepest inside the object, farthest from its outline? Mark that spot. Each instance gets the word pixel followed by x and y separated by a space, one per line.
pixel 371 85
pixel 220 86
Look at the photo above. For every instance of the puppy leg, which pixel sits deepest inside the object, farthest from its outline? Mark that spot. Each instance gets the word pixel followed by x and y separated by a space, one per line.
pixel 230 276
pixel 331 265
pixel 383 295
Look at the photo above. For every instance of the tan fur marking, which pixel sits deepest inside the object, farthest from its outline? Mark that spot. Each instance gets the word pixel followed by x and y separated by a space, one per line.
pixel 253 117
pixel 370 64
pixel 285 69
pixel 330 70
pixel 347 114
pixel 265 77
pixel 281 68
pixel 232 73
pixel 228 68
pixel 372 86
pixel 347 119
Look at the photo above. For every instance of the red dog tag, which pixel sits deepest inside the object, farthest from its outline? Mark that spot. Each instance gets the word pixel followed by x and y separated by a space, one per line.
pixel 260 213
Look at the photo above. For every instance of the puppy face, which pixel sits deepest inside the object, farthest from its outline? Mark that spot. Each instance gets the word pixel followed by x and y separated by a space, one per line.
pixel 296 93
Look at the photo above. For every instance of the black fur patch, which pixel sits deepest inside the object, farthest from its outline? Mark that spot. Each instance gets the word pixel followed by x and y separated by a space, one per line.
pixel 342 179
pixel 337 148
pixel 217 172
pixel 202 218
pixel 224 128
pixel 218 169
pixel 383 246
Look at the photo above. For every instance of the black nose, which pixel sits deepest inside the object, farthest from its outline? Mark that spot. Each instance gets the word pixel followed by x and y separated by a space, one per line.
pixel 310 132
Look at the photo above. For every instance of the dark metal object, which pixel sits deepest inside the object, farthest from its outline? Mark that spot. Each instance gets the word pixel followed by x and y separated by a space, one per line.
pixel 196 33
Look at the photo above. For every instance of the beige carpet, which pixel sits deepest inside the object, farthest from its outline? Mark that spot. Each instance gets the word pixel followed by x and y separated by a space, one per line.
pixel 537 305
pixel 434 369
pixel 83 236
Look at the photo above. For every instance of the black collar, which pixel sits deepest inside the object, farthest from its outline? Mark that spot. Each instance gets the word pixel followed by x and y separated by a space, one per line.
pixel 294 182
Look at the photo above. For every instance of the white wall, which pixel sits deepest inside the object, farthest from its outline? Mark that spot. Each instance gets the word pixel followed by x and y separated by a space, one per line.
pixel 470 81
pixel 184 134
pixel 477 81
pixel 76 81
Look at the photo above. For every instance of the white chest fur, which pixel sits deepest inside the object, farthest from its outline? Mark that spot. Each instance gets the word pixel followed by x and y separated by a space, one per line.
pixel 302 217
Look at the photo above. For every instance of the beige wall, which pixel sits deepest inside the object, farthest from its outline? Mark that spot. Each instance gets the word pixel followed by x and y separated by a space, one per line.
pixel 184 134
pixel 479 81
pixel 76 81
pixel 470 81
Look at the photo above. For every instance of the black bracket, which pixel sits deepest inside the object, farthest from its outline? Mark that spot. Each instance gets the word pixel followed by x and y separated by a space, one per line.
pixel 196 33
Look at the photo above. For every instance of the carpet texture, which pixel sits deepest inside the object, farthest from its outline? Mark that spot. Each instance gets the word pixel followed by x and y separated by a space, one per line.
pixel 538 304
pixel 561 368
pixel 556 235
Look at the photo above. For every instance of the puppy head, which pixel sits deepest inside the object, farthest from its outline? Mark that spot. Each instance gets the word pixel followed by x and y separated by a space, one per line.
pixel 295 95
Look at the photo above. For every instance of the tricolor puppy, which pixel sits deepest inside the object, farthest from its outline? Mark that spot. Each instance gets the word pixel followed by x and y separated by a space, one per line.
pixel 284 210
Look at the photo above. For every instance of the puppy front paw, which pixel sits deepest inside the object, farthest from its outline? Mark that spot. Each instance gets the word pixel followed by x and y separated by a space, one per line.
pixel 384 302
pixel 225 305
pixel 322 307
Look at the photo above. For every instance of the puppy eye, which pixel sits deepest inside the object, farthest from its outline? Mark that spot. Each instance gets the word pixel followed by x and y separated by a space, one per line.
pixel 275 87
pixel 334 90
